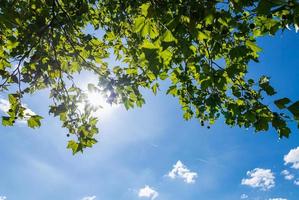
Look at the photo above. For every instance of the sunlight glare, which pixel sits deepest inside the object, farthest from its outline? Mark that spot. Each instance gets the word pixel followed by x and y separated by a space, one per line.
pixel 97 100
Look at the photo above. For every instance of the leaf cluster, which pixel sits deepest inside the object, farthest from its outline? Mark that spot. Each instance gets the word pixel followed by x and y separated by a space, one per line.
pixel 203 48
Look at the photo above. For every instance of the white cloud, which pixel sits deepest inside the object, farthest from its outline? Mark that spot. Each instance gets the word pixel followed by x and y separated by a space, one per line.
pixel 244 196
pixel 148 192
pixel 260 178
pixel 4 107
pixel 292 158
pixel 296 182
pixel 179 170
pixel 3 198
pixel 89 198
pixel 287 175
pixel 278 199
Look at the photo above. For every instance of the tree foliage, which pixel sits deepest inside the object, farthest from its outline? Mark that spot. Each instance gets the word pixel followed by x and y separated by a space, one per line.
pixel 202 47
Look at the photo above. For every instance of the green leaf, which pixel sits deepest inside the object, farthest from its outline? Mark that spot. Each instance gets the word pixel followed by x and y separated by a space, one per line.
pixel 202 36
pixel 128 104
pixel 155 88
pixel 145 9
pixel 149 45
pixel 264 7
pixel 132 71
pixel 281 103
pixel 188 114
pixel 12 99
pixel 146 29
pixel 34 121
pixel 209 19
pixel 163 75
pixel 166 55
pixel 265 85
pixel 12 44
pixel 261 125
pixel 7 121
pixel 284 132
pixel 172 90
pixel 168 37
pixel 253 46
pixel 153 33
pixel 294 109
pixel 73 146
pixel 139 24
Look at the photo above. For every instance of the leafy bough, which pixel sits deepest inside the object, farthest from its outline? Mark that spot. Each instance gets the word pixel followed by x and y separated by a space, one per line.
pixel 202 47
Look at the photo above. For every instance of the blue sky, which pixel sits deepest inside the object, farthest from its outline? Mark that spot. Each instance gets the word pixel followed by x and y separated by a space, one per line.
pixel 152 153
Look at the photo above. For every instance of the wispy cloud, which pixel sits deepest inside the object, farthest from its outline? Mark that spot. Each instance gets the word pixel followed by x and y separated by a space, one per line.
pixel 259 178
pixel 278 199
pixel 244 196
pixel 179 170
pixel 3 198
pixel 296 182
pixel 292 158
pixel 148 192
pixel 39 167
pixel 203 160
pixel 287 175
pixel 89 198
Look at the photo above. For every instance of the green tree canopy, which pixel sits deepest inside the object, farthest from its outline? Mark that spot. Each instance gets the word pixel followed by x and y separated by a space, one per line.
pixel 202 47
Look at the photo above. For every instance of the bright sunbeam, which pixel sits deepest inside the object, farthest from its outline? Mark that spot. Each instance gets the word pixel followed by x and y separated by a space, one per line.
pixel 97 100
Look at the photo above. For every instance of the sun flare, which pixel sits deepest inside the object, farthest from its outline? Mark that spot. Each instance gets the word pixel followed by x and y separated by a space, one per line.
pixel 97 100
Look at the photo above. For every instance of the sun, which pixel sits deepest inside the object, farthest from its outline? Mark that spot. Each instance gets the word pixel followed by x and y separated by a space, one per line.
pixel 96 99
pixel 99 101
